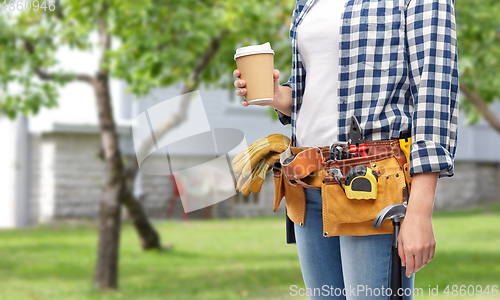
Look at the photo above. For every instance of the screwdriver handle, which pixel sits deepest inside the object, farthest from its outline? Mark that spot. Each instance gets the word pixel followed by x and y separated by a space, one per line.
pixel 353 149
pixel 363 150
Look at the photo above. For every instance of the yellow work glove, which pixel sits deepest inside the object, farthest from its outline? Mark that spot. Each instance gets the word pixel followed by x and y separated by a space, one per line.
pixel 253 183
pixel 247 160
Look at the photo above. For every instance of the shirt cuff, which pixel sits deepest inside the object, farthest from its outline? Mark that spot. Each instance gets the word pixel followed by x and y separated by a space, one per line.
pixel 428 156
pixel 284 119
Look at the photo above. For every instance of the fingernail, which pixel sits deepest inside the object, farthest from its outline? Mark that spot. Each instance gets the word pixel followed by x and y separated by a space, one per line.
pixel 241 82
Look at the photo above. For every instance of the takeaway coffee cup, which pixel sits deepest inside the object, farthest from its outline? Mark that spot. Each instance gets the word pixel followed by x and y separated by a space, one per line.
pixel 256 64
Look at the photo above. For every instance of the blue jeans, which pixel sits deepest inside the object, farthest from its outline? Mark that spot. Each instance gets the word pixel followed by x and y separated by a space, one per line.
pixel 343 267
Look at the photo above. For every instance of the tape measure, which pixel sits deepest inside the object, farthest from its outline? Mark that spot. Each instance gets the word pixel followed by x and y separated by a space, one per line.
pixel 361 183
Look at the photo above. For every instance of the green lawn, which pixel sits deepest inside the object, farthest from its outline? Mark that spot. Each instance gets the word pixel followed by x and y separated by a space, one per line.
pixel 221 259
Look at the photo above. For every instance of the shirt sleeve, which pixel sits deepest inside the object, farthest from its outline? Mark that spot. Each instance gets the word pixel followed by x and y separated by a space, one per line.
pixel 284 119
pixel 433 72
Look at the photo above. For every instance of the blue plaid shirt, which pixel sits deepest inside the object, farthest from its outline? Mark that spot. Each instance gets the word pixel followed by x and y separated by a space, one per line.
pixel 397 70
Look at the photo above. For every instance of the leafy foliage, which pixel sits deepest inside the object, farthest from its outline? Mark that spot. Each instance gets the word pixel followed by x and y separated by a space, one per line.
pixel 156 43
pixel 167 47
pixel 478 36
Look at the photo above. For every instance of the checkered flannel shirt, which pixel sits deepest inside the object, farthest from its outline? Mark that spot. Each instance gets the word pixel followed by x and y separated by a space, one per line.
pixel 397 70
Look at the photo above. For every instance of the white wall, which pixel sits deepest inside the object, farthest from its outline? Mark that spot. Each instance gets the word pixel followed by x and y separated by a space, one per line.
pixel 14 166
pixel 478 142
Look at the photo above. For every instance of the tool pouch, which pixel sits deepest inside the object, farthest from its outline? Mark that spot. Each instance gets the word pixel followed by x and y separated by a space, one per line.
pixel 294 195
pixel 337 208
pixel 340 214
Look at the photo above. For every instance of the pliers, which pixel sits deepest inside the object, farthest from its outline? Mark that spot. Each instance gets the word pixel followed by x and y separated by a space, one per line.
pixel 356 140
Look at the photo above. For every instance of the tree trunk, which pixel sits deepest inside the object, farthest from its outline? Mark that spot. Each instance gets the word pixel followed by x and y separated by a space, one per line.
pixel 148 236
pixel 116 177
pixel 106 272
pixel 115 190
pixel 481 107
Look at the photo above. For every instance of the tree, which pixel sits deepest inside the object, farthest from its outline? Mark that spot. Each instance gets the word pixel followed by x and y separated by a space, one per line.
pixel 156 44
pixel 478 36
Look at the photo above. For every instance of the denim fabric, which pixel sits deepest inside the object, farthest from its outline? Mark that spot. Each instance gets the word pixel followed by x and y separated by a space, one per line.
pixel 345 267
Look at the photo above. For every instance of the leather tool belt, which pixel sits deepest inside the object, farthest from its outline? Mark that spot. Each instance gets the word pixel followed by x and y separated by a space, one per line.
pixel 299 163
pixel 310 167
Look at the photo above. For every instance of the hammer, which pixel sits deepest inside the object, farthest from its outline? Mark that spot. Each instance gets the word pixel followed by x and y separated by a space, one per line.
pixel 395 212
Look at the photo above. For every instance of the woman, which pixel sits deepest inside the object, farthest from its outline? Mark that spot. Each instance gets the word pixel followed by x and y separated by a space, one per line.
pixel 393 65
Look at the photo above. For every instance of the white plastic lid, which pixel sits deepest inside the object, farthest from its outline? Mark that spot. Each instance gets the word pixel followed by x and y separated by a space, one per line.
pixel 255 49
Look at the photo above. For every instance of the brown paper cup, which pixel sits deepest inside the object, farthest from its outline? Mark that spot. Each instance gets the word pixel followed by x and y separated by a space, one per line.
pixel 256 66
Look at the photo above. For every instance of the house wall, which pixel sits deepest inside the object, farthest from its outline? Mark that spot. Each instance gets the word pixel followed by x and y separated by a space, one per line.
pixel 474 183
pixel 66 176
pixel 66 182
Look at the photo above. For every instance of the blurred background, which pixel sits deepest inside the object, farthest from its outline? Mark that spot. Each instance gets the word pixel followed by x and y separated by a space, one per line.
pixel 80 221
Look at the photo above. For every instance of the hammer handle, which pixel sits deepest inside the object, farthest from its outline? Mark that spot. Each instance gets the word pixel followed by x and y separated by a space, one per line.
pixel 396 276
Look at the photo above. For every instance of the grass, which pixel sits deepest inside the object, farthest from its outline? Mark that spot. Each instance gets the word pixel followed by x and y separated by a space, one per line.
pixel 467 252
pixel 221 259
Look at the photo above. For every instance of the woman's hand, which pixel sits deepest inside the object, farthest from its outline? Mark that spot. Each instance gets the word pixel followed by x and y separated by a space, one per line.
pixel 416 242
pixel 282 99
pixel 242 91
